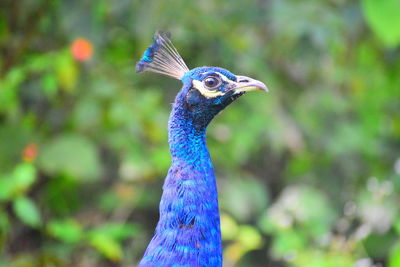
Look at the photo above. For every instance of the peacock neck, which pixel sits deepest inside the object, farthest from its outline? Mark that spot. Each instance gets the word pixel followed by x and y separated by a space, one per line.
pixel 188 232
pixel 187 142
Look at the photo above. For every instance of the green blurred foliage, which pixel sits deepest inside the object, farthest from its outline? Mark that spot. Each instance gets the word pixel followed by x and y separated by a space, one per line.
pixel 308 174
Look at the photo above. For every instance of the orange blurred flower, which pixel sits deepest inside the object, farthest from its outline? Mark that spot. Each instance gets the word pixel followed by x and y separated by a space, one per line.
pixel 29 153
pixel 81 49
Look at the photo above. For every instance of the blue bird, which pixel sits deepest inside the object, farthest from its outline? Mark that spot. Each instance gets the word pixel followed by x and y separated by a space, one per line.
pixel 188 231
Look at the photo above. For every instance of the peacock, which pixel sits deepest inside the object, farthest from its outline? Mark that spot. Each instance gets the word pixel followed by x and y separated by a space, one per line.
pixel 188 231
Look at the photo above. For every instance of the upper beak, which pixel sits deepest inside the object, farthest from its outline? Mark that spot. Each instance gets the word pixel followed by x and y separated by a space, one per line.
pixel 246 84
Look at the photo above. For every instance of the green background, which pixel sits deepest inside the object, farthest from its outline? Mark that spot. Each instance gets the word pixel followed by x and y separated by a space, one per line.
pixel 309 174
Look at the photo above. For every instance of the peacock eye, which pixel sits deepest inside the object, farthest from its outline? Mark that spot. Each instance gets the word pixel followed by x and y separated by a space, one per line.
pixel 212 82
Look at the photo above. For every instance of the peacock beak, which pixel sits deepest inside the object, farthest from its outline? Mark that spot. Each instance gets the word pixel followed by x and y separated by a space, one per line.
pixel 246 84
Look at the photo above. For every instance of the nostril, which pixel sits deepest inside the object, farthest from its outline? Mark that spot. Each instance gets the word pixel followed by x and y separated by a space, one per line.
pixel 243 79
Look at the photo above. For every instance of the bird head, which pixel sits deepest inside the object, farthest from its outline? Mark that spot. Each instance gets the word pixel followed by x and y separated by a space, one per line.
pixel 206 90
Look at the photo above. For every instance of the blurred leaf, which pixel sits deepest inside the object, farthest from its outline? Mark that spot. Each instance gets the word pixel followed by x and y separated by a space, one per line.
pixel 26 211
pixel 11 185
pixel 24 176
pixel 320 258
pixel 71 154
pixel 287 243
pixel 394 256
pixel 68 230
pixel 397 225
pixel 249 237
pixel 106 245
pixel 378 245
pixel 117 231
pixel 50 85
pixel 67 71
pixel 9 93
pixel 6 188
pixel 229 227
pixel 107 237
pixel 63 196
pixel 383 17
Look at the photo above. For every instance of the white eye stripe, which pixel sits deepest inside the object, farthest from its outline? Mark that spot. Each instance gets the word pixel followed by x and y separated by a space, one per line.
pixel 204 91
pixel 224 78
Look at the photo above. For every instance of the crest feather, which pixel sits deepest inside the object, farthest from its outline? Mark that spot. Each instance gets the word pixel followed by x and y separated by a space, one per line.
pixel 162 57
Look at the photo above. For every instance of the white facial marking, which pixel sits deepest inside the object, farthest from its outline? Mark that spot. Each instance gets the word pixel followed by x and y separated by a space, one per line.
pixel 204 91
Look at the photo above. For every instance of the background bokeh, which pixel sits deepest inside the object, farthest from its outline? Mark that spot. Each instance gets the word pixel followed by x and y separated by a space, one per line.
pixel 309 174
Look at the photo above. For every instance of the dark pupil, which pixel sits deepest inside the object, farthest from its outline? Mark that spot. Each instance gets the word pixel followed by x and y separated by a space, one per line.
pixel 211 82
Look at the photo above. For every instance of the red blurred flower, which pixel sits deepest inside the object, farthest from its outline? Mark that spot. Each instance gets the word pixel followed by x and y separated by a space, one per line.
pixel 81 49
pixel 29 153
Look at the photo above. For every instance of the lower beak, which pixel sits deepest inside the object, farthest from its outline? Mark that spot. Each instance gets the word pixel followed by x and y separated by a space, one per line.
pixel 246 84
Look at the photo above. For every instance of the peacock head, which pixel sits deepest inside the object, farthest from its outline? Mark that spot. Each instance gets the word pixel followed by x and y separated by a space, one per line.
pixel 206 90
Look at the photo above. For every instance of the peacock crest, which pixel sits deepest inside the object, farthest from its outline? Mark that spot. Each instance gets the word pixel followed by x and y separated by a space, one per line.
pixel 162 57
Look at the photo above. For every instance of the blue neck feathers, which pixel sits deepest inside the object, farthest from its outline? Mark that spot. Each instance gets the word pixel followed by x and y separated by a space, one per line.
pixel 188 231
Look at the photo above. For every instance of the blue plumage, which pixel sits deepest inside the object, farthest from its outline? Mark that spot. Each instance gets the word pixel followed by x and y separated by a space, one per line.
pixel 188 232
